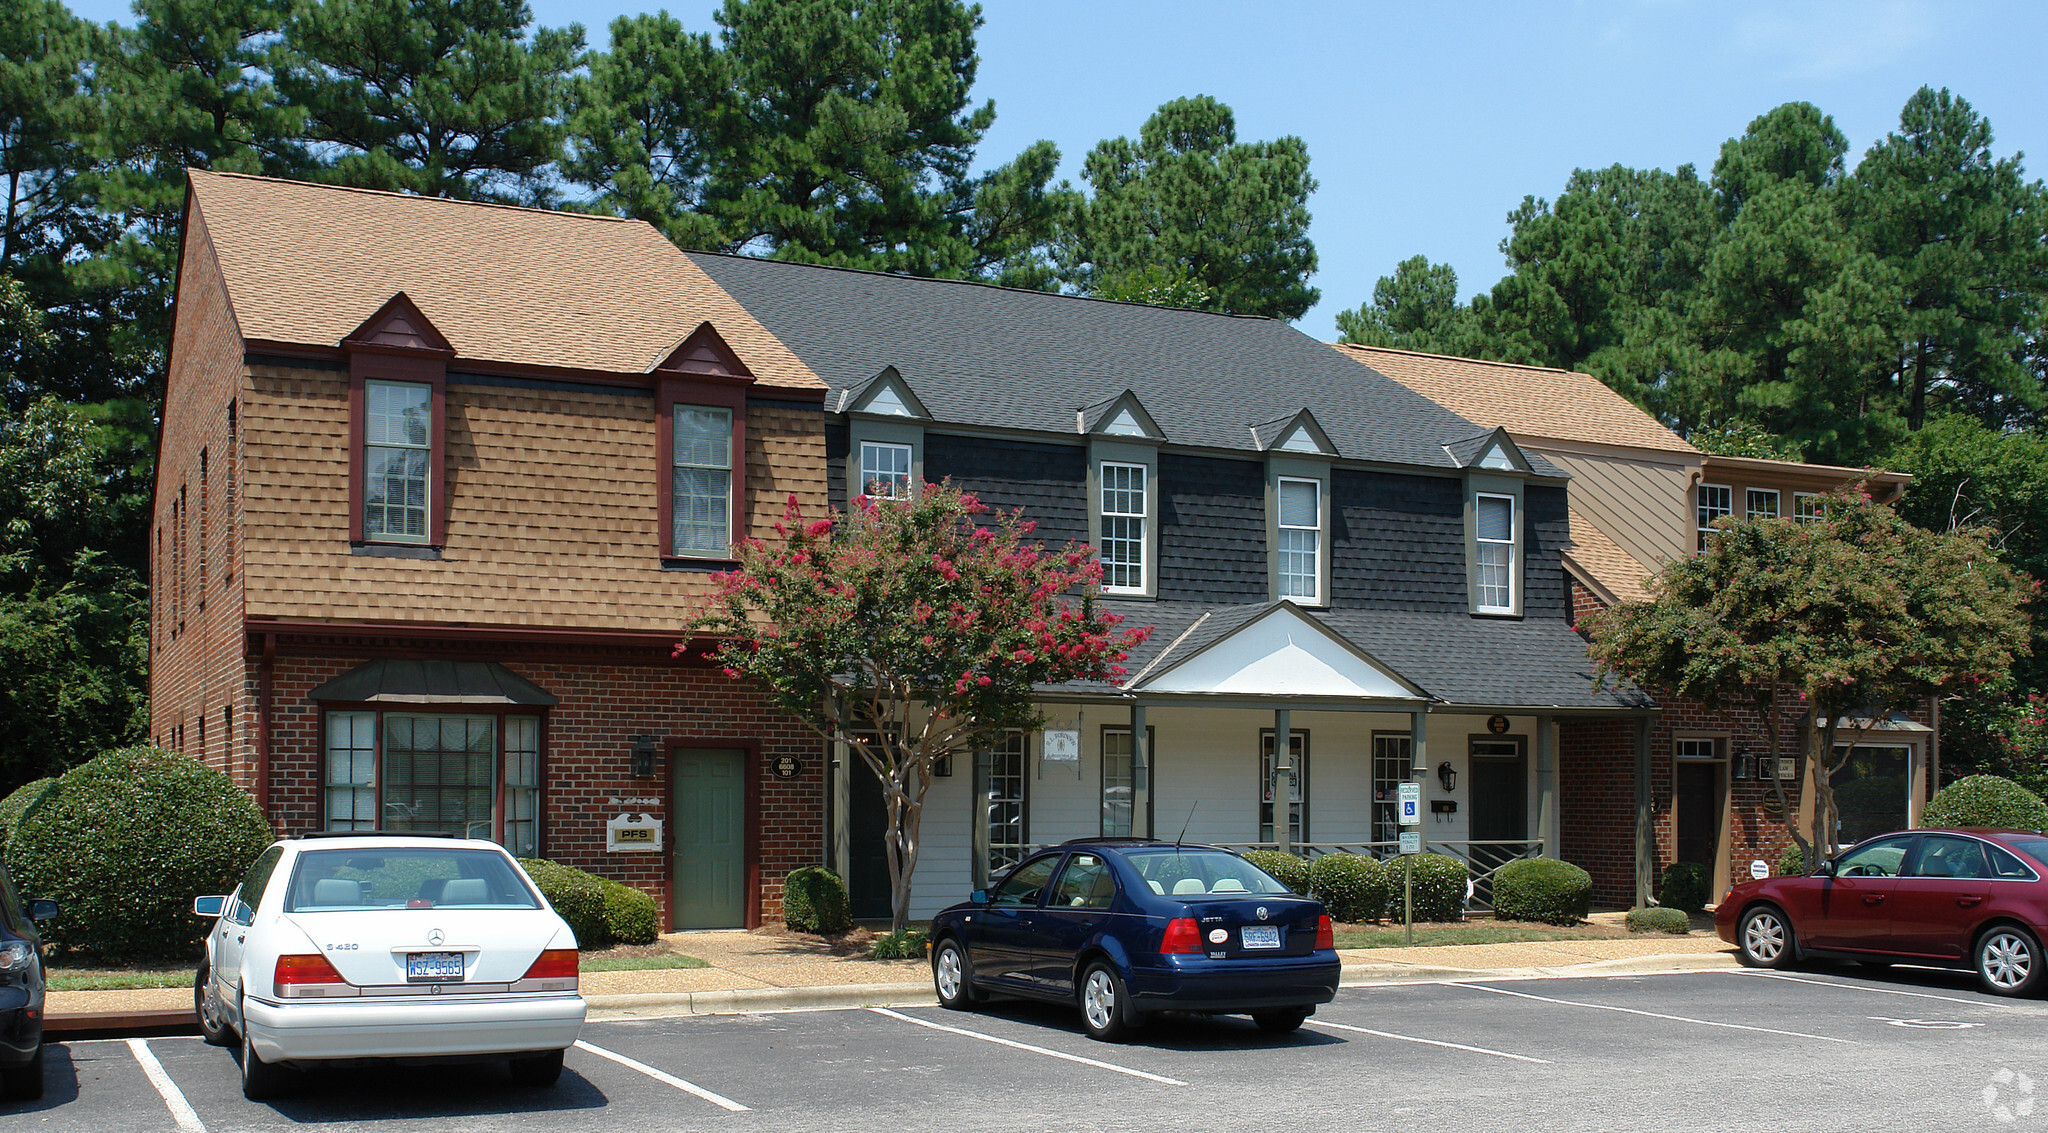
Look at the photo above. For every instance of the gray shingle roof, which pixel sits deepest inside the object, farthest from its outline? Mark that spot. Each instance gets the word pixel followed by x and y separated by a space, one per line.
pixel 992 356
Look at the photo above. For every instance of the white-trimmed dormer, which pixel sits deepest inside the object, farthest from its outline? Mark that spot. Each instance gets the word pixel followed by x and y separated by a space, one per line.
pixel 1123 492
pixel 1298 507
pixel 884 436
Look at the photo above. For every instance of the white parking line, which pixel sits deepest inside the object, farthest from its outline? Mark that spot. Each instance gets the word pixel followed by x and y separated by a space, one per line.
pixel 181 1110
pixel 1111 1066
pixel 1877 990
pixel 1429 1042
pixel 1650 1014
pixel 663 1077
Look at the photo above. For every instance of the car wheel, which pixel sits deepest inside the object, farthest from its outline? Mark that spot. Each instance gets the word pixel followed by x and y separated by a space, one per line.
pixel 1765 938
pixel 1280 1022
pixel 538 1071
pixel 1102 1003
pixel 2009 961
pixel 206 1008
pixel 261 1080
pixel 24 1083
pixel 953 976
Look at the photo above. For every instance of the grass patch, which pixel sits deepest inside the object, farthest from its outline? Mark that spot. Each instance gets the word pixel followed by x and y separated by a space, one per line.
pixel 97 979
pixel 1439 935
pixel 640 963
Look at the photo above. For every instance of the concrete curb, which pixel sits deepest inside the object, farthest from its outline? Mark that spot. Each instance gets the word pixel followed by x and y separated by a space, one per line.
pixel 741 1001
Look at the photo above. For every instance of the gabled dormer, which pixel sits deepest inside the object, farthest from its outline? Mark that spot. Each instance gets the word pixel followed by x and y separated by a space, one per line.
pixel 1296 433
pixel 1298 455
pixel 1123 492
pixel 700 414
pixel 1496 524
pixel 1120 416
pixel 704 354
pixel 397 432
pixel 885 436
pixel 1491 451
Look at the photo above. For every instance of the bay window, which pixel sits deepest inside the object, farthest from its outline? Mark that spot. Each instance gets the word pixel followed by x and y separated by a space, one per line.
pixel 473 776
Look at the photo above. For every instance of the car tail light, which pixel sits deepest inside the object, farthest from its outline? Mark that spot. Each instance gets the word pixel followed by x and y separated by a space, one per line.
pixel 308 977
pixel 1326 933
pixel 1181 936
pixel 555 970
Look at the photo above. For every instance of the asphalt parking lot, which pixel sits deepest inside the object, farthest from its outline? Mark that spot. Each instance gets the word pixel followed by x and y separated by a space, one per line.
pixel 1827 1048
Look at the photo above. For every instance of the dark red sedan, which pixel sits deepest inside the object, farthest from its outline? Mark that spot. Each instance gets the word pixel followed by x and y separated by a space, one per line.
pixel 1952 898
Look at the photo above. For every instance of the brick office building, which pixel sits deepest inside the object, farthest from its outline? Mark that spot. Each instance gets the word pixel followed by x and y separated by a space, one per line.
pixel 439 486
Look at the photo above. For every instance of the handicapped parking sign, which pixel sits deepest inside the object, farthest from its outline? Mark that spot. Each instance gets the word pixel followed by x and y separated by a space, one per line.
pixel 1411 804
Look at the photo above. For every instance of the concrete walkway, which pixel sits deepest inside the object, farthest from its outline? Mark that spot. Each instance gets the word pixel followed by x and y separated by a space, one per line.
pixel 761 972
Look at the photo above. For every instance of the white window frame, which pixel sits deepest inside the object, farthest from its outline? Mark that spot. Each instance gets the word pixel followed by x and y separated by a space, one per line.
pixel 1138 540
pixel 1133 777
pixel 1704 514
pixel 902 482
pixel 1513 544
pixel 1315 533
pixel 677 464
pixel 381 532
pixel 1809 507
pixel 1752 496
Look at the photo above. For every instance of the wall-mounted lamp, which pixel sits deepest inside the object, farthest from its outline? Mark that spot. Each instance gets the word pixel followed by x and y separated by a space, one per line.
pixel 1446 775
pixel 643 757
pixel 942 767
pixel 1744 766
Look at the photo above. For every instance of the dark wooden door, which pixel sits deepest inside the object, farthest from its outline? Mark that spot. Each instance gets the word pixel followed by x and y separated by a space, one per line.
pixel 867 822
pixel 1699 813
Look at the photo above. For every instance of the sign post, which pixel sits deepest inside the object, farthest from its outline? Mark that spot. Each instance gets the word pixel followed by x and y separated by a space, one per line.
pixel 1411 844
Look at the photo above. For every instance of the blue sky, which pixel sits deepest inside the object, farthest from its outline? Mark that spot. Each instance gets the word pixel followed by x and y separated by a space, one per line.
pixel 1427 122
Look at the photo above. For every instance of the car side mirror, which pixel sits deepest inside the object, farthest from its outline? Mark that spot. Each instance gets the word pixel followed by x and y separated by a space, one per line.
pixel 1825 869
pixel 979 896
pixel 208 906
pixel 42 909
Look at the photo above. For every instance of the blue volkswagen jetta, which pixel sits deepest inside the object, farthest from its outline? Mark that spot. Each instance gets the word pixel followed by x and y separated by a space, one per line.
pixel 1123 928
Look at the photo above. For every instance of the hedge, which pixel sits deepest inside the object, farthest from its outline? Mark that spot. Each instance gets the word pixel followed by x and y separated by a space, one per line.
pixel 1439 888
pixel 1986 800
pixel 1792 863
pixel 124 841
pixel 15 805
pixel 1544 890
pixel 1686 886
pixel 1287 869
pixel 1662 919
pixel 1353 889
pixel 814 900
pixel 600 911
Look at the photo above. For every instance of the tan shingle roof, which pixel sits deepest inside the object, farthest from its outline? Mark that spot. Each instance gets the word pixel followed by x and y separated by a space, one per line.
pixel 1605 563
pixel 1531 401
pixel 308 263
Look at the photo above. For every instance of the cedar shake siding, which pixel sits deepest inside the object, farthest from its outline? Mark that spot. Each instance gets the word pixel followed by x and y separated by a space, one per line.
pixel 1212 529
pixel 1050 482
pixel 1398 542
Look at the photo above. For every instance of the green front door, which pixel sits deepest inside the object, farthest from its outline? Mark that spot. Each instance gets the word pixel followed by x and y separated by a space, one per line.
pixel 710 803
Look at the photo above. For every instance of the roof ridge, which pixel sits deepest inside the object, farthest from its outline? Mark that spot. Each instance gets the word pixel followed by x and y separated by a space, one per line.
pixel 416 196
pixel 1462 358
pixel 979 283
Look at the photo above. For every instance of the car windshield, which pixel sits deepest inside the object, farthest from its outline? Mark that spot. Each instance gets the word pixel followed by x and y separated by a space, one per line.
pixel 2035 848
pixel 326 881
pixel 1196 873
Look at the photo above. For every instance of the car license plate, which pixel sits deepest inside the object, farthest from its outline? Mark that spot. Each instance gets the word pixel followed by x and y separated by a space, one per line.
pixel 1260 936
pixel 433 966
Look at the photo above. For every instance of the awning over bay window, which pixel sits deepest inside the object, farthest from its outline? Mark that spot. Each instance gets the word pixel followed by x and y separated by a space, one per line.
pixel 433 682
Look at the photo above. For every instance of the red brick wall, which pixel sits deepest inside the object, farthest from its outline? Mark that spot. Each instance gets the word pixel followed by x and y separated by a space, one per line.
pixel 587 741
pixel 1596 804
pixel 1583 601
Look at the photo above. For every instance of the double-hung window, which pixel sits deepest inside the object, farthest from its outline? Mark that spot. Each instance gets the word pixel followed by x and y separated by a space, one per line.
pixel 1495 517
pixel 1126 791
pixel 884 471
pixel 701 482
pixel 1762 503
pixel 473 776
pixel 1124 514
pixel 398 430
pixel 1713 502
pixel 1808 507
pixel 1301 538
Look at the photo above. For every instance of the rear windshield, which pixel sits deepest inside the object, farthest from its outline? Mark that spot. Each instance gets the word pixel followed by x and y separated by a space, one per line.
pixel 326 881
pixel 1193 873
pixel 2035 848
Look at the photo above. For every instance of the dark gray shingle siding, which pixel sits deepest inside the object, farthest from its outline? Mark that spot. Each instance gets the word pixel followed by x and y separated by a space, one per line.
pixel 837 442
pixel 1050 482
pixel 1212 529
pixel 1549 530
pixel 1398 542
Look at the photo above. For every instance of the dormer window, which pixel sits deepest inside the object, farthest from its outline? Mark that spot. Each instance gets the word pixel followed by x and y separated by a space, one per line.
pixel 398 428
pixel 885 470
pixel 398 375
pixel 1301 538
pixel 1124 513
pixel 1495 527
pixel 701 482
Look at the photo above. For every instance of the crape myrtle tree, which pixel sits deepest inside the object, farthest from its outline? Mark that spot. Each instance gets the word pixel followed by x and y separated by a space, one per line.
pixel 913 631
pixel 1850 617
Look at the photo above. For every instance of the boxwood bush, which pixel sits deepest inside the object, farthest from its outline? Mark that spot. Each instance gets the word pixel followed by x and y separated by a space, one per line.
pixel 600 911
pixel 1986 800
pixel 1658 919
pixel 1685 886
pixel 124 841
pixel 1542 889
pixel 15 805
pixel 814 900
pixel 1792 863
pixel 1352 888
pixel 1439 888
pixel 1287 869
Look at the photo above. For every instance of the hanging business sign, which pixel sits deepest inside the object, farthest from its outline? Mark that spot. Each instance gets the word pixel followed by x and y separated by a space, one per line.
pixel 1062 745
pixel 633 834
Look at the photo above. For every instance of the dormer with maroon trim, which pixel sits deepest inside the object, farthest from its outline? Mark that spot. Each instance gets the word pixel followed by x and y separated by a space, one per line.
pixel 397 430
pixel 700 401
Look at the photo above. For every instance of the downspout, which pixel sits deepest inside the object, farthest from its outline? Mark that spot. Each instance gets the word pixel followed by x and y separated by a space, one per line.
pixel 266 677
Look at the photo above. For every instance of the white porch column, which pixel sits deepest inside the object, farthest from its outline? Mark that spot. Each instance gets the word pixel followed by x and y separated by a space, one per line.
pixel 1283 781
pixel 1141 773
pixel 1546 784
pixel 1418 767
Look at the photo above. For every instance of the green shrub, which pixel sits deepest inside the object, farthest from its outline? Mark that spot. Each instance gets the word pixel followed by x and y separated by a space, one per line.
pixel 1352 888
pixel 1542 889
pixel 1439 888
pixel 814 900
pixel 124 841
pixel 1792 863
pixel 15 805
pixel 906 945
pixel 1660 919
pixel 1287 869
pixel 577 896
pixel 1986 800
pixel 629 913
pixel 1685 885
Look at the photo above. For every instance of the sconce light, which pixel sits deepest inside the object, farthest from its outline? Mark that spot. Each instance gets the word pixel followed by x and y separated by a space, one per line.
pixel 643 757
pixel 1447 776
pixel 942 767
pixel 1744 766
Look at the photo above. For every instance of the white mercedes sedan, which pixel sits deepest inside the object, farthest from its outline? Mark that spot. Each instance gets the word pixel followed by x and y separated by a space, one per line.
pixel 340 947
